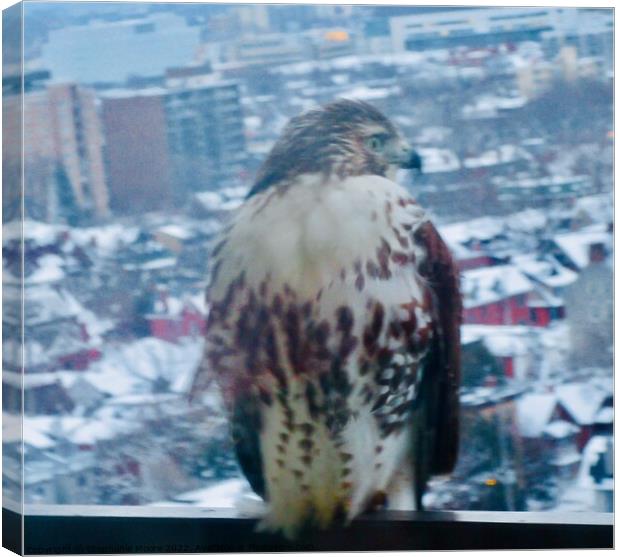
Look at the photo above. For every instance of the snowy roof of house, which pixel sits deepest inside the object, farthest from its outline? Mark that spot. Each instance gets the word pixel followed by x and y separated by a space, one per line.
pixel 484 228
pixel 502 155
pixel 438 160
pixel 107 238
pixel 33 380
pixel 501 341
pixel 605 415
pixel 75 429
pixel 362 92
pixel 210 200
pixel 44 431
pixel 581 400
pixel 576 245
pixel 94 430
pixel 433 134
pixel 566 457
pixel 37 439
pixel 152 265
pixel 142 399
pixel 11 427
pixel 39 232
pixel 549 273
pixel 594 447
pixel 558 429
pixel 49 269
pixel 533 413
pixel 599 207
pixel 487 106
pixel 235 192
pixel 487 285
pixel 171 307
pixel 110 379
pixel 43 303
pixel 481 396
pixel 130 368
pixel 527 220
pixel 541 298
pixel 176 231
pixel 199 302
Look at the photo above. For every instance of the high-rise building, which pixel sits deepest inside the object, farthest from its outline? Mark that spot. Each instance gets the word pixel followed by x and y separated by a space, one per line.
pixel 163 145
pixel 61 137
pixel 205 136
pixel 79 143
pixel 136 150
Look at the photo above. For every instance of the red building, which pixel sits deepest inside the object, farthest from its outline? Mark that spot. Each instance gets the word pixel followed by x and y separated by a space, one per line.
pixel 503 295
pixel 496 295
pixel 511 310
pixel 474 261
pixel 174 318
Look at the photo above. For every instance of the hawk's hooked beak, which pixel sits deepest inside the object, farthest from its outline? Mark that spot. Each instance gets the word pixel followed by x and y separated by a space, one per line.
pixel 408 158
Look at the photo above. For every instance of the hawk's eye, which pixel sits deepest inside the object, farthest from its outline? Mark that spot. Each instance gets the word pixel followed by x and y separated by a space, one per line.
pixel 375 143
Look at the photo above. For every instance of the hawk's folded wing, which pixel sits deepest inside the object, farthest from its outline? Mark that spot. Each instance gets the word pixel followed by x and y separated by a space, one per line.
pixel 436 418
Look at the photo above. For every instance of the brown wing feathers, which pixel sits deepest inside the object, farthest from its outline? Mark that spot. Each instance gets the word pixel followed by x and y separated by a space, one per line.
pixel 442 275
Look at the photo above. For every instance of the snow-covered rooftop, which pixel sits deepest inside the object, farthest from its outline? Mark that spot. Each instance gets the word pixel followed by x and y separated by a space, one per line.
pixel 490 284
pixel 576 245
pixel 39 232
pixel 131 368
pixel 49 269
pixel 599 444
pixel 365 93
pixel 176 231
pixel 548 272
pixel 484 228
pixel 106 239
pixel 558 429
pixel 502 155
pixel 438 160
pixel 581 400
pixel 533 413
pixel 501 341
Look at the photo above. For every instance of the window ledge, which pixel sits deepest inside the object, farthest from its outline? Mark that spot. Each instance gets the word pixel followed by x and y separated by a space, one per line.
pixel 73 529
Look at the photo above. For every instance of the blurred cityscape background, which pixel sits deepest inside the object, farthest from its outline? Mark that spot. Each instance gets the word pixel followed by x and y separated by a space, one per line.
pixel 143 127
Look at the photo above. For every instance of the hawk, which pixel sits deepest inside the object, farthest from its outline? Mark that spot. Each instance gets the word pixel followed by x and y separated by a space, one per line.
pixel 333 329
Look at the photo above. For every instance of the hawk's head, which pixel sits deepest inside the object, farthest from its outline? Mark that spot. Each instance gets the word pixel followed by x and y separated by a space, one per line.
pixel 346 138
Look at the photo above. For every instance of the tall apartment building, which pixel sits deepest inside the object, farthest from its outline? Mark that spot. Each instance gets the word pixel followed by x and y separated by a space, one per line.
pixel 61 133
pixel 205 136
pixel 163 145
pixel 79 143
pixel 136 150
